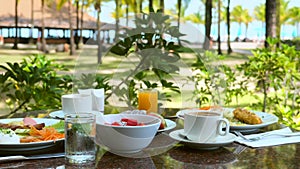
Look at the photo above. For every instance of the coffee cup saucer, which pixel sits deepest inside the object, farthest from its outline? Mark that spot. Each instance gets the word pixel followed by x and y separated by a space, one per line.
pixel 210 145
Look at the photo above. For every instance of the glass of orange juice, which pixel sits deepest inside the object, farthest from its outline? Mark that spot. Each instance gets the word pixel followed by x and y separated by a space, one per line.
pixel 148 100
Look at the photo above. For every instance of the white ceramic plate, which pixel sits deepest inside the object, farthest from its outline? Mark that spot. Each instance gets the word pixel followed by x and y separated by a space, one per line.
pixel 170 125
pixel 33 146
pixel 59 114
pixel 266 118
pixel 218 142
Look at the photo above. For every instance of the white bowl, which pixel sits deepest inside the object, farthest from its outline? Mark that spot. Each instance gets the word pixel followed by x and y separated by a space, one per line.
pixel 126 139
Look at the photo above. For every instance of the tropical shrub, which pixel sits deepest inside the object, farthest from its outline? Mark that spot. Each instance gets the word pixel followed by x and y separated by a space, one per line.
pixel 33 84
pixel 157 57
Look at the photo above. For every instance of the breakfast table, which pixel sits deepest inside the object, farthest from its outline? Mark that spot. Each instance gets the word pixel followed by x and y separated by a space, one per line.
pixel 165 152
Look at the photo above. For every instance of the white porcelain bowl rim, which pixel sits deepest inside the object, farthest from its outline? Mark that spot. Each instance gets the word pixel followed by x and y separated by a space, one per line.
pixel 128 116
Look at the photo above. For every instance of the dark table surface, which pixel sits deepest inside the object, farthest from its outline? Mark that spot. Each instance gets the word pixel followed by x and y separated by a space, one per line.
pixel 164 152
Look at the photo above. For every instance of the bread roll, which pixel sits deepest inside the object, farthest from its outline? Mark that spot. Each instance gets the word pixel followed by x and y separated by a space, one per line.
pixel 246 116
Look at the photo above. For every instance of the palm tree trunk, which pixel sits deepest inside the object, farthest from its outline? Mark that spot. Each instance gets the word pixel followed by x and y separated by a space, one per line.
pixel 81 23
pixel 219 28
pixel 246 32
pixel 99 53
pixel 117 21
pixel 179 17
pixel 162 6
pixel 127 14
pixel 229 50
pixel 179 13
pixel 141 6
pixel 16 25
pixel 141 9
pixel 77 24
pixel 135 10
pixel 271 19
pixel 278 24
pixel 72 49
pixel 43 28
pixel 31 22
pixel 208 18
pixel 151 6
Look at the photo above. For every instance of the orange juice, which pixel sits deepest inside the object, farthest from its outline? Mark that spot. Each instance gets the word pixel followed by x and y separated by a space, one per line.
pixel 147 100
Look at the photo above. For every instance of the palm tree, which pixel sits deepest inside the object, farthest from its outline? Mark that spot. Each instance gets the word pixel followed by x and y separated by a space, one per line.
pixel 196 18
pixel 294 14
pixel 31 22
pixel 229 50
pixel 77 24
pixel 260 13
pixel 151 6
pixel 246 20
pixel 135 9
pixel 128 4
pixel 72 43
pixel 97 6
pixel 236 14
pixel 16 25
pixel 219 28
pixel 271 19
pixel 117 20
pixel 208 20
pixel 278 25
pixel 176 15
pixel 179 12
pixel 162 6
pixel 141 6
pixel 284 15
pixel 83 5
pixel 43 27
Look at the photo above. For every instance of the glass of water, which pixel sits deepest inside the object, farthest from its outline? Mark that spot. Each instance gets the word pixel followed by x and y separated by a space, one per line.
pixel 80 130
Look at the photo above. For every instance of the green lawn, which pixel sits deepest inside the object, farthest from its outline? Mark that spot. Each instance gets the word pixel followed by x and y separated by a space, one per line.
pixel 85 61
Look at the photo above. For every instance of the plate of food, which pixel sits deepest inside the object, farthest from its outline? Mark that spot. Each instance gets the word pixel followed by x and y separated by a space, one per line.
pixel 241 118
pixel 244 119
pixel 30 135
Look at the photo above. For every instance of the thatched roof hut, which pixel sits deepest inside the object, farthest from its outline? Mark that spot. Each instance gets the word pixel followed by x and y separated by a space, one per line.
pixel 30 16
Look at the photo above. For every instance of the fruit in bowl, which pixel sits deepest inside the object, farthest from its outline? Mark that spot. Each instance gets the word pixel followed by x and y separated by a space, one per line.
pixel 119 137
pixel 163 123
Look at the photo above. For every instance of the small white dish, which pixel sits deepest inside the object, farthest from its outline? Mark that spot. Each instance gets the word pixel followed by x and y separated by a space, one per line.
pixel 170 125
pixel 59 114
pixel 218 142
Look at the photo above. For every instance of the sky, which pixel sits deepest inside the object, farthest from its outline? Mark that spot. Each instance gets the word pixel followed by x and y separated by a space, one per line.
pixel 255 30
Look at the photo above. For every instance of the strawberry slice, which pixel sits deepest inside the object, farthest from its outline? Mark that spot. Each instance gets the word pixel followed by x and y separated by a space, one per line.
pixel 124 120
pixel 115 124
pixel 141 124
pixel 132 122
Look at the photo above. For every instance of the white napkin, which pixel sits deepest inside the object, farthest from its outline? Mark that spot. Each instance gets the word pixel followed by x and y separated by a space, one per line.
pixel 270 140
pixel 97 96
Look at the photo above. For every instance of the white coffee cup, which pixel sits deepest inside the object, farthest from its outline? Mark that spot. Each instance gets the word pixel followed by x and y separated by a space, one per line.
pixel 204 126
pixel 74 103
